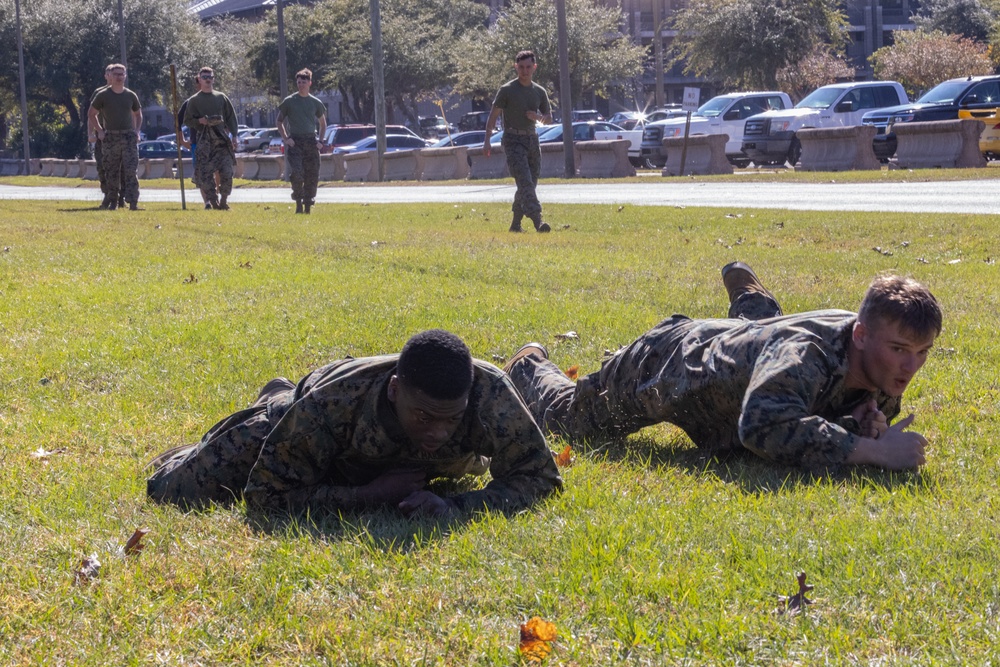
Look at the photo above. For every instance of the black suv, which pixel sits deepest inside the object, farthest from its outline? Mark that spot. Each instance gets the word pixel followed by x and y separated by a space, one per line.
pixel 941 102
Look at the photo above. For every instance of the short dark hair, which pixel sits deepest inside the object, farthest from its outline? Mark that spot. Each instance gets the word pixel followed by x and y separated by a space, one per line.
pixel 437 363
pixel 304 73
pixel 892 298
pixel 524 55
pixel 206 70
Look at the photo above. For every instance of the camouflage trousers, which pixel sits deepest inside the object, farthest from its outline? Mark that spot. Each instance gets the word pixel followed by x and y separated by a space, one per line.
pixel 605 404
pixel 213 156
pixel 524 161
pixel 120 155
pixel 216 469
pixel 303 168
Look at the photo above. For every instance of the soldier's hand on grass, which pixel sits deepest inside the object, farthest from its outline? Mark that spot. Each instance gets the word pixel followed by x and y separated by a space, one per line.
pixel 872 420
pixel 425 503
pixel 391 487
pixel 896 448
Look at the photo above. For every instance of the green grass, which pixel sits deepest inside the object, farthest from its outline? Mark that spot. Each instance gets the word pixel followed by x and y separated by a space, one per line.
pixel 653 555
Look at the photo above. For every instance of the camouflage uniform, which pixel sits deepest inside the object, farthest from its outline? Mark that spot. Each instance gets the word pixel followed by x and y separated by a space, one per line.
pixel 303 168
pixel 120 155
pixel 213 153
pixel 313 444
pixel 775 386
pixel 524 161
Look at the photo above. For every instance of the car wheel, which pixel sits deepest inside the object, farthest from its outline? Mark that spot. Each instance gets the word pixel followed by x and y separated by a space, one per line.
pixel 740 163
pixel 794 152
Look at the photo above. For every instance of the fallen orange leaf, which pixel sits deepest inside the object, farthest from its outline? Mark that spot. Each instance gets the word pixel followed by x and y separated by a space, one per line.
pixel 573 372
pixel 535 637
pixel 134 544
pixel 565 457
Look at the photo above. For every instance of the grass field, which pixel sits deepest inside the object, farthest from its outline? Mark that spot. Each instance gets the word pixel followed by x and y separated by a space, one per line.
pixel 128 333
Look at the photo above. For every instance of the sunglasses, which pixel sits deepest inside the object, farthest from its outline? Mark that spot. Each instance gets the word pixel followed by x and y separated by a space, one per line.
pixel 206 77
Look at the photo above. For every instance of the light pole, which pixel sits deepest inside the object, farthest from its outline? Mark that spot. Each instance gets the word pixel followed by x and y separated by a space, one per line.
pixel 24 92
pixel 282 74
pixel 121 32
pixel 378 80
pixel 565 93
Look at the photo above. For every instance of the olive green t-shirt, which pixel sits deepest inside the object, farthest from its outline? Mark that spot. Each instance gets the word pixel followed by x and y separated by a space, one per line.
pixel 100 116
pixel 302 113
pixel 516 100
pixel 205 104
pixel 117 108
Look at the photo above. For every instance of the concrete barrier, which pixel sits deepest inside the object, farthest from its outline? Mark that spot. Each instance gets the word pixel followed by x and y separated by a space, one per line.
pixel 269 167
pixel 75 168
pixel 360 166
pixel 11 167
pixel 706 154
pixel 159 167
pixel 604 159
pixel 331 167
pixel 48 166
pixel 939 144
pixel 445 164
pixel 249 171
pixel 89 170
pixel 403 165
pixel 188 168
pixel 837 149
pixel 35 166
pixel 493 166
pixel 554 160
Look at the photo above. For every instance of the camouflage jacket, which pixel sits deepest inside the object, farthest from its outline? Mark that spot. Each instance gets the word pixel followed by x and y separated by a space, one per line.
pixel 774 386
pixel 337 431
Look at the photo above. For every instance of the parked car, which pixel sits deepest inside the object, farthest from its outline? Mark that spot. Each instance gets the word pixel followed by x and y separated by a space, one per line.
pixel 942 102
pixel 723 114
pixel 393 143
pixel 347 135
pixel 989 140
pixel 586 114
pixel 582 131
pixel 471 138
pixel 434 127
pixel 769 138
pixel 258 141
pixel 160 149
pixel 474 120
pixel 172 137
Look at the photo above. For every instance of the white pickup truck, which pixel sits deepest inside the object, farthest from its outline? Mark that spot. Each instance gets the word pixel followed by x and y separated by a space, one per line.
pixel 769 138
pixel 634 136
pixel 723 114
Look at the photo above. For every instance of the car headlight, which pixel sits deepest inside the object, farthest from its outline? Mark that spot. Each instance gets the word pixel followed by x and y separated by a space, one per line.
pixel 901 118
pixel 673 132
pixel 779 125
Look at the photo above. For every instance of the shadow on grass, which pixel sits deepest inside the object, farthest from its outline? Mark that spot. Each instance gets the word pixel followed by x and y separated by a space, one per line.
pixel 741 467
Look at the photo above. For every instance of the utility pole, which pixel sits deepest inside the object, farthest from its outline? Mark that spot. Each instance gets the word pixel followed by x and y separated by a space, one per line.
pixel 282 74
pixel 378 79
pixel 121 33
pixel 565 94
pixel 24 92
pixel 658 51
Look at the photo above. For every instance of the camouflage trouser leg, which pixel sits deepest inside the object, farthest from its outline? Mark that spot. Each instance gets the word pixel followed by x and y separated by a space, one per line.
pixel 120 155
pixel 213 159
pixel 524 161
pixel 217 468
pixel 303 169
pixel 99 159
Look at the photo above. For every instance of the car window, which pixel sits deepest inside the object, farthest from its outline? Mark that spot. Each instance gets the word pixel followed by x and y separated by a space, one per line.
pixel 886 96
pixel 943 93
pixel 987 92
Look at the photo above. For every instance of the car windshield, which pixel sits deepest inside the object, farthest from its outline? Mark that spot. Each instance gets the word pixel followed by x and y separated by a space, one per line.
pixel 943 93
pixel 713 107
pixel 820 98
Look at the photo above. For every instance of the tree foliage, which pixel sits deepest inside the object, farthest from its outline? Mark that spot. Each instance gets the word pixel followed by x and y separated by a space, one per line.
pixel 819 68
pixel 744 43
pixel 600 55
pixel 333 38
pixel 920 60
pixel 973 19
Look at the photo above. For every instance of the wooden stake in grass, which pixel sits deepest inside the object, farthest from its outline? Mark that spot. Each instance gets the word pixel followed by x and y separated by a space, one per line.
pixel 796 603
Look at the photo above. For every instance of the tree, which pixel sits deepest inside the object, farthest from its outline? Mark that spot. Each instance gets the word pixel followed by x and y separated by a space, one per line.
pixel 920 60
pixel 600 55
pixel 333 38
pixel 973 19
pixel 819 68
pixel 744 43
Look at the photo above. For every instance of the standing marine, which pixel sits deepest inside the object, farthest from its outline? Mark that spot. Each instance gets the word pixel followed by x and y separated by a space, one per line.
pixel 116 116
pixel 211 119
pixel 300 116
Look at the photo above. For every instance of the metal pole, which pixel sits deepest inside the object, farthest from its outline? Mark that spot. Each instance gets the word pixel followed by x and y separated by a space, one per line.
pixel 378 77
pixel 121 31
pixel 684 148
pixel 658 52
pixel 24 91
pixel 565 94
pixel 178 136
pixel 282 74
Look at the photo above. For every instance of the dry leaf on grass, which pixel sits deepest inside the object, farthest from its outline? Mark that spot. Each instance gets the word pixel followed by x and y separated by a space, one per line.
pixel 90 567
pixel 564 458
pixel 44 454
pixel 573 372
pixel 796 603
pixel 535 637
pixel 134 545
pixel 190 279
pixel 569 335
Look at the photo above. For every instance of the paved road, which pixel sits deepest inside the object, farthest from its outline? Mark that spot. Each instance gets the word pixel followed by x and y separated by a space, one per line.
pixel 938 197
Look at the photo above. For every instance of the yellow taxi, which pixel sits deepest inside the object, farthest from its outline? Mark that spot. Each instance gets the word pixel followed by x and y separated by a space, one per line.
pixel 989 140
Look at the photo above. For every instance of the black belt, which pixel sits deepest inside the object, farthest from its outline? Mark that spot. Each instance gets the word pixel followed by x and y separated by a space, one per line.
pixel 514 130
